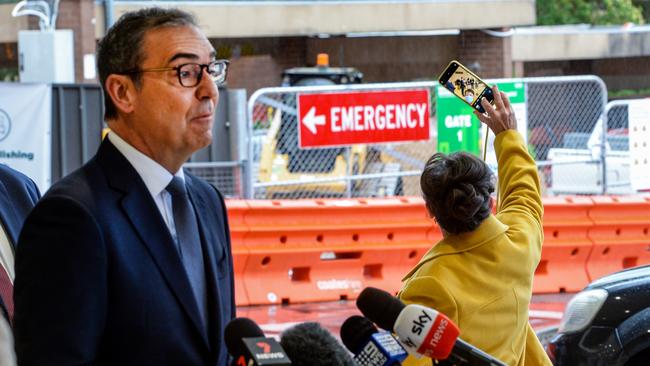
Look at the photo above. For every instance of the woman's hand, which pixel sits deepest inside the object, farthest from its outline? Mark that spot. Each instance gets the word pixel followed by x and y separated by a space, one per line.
pixel 499 117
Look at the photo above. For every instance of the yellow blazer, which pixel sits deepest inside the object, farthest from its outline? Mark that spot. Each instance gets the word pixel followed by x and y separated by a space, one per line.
pixel 482 280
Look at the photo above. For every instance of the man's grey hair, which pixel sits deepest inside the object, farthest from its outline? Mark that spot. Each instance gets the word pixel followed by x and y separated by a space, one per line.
pixel 120 51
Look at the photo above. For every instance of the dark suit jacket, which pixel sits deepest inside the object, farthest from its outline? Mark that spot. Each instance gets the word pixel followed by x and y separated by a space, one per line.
pixel 18 195
pixel 99 279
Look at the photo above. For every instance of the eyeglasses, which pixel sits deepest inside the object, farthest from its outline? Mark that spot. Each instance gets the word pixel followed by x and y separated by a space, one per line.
pixel 190 74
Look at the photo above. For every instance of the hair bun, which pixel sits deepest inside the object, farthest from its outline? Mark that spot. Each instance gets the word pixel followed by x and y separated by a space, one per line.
pixel 456 189
pixel 464 202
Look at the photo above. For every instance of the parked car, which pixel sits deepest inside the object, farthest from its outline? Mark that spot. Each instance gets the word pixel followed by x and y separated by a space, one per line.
pixel 607 323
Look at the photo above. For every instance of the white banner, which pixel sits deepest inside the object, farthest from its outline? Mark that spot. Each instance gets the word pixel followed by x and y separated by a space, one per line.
pixel 25 130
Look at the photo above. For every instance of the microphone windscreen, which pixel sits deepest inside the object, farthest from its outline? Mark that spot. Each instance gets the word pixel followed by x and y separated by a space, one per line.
pixel 309 344
pixel 237 329
pixel 380 307
pixel 356 331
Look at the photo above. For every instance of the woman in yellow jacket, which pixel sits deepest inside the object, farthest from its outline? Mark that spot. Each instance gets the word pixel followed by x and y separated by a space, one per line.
pixel 480 274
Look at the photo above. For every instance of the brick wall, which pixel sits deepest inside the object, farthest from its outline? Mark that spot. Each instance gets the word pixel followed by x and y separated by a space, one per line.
pixel 259 62
pixel 556 68
pixel 488 56
pixel 389 59
pixel 624 73
pixel 618 73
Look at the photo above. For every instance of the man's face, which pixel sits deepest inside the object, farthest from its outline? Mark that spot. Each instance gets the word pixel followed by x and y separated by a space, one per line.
pixel 170 119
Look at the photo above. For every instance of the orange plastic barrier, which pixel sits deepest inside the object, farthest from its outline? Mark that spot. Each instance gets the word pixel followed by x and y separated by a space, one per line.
pixel 318 250
pixel 288 251
pixel 566 245
pixel 236 211
pixel 621 234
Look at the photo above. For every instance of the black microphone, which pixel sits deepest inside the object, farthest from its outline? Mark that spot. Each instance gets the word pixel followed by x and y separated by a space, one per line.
pixel 371 347
pixel 249 347
pixel 309 344
pixel 421 330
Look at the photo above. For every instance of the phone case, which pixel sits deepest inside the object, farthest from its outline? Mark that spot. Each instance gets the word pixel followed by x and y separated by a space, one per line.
pixel 465 85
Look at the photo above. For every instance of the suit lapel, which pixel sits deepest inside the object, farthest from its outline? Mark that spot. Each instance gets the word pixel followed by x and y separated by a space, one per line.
pixel 142 212
pixel 211 243
pixel 8 216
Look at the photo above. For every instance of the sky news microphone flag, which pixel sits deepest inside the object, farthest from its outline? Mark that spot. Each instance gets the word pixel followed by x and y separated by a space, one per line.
pixel 421 330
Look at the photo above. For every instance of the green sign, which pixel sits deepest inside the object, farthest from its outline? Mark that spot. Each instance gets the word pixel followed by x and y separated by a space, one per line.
pixel 458 127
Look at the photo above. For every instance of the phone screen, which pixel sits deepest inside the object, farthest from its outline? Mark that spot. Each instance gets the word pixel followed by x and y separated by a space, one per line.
pixel 465 85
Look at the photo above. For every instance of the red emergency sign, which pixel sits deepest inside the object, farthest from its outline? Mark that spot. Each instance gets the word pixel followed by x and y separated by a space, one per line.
pixel 336 119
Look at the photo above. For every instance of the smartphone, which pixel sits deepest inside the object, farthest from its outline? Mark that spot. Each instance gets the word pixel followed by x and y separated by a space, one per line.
pixel 464 84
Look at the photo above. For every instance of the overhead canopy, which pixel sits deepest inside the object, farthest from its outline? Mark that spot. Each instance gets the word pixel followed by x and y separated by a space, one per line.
pixel 305 18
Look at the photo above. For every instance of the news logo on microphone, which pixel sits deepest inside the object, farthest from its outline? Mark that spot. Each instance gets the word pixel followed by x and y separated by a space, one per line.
pixel 372 355
pixel 426 332
pixel 266 351
pixel 370 346
pixel 421 330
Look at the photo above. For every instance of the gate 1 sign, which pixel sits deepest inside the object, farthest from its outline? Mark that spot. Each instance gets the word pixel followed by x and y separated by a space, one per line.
pixel 337 119
pixel 458 127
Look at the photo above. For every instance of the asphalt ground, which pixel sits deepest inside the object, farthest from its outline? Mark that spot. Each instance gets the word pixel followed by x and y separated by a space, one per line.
pixel 545 312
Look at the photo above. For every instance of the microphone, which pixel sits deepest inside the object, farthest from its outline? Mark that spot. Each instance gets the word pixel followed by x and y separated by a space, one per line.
pixel 249 347
pixel 421 330
pixel 371 347
pixel 309 344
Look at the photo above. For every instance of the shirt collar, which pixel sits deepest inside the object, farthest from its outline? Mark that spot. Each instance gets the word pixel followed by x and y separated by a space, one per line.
pixel 155 176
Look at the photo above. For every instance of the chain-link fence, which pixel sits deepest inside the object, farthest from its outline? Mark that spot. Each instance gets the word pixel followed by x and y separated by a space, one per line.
pixel 281 169
pixel 226 175
pixel 622 158
pixel 564 118
pixel 618 148
pixel 223 163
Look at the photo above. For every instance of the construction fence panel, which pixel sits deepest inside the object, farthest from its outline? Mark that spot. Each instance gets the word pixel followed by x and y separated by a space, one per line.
pixel 628 146
pixel 564 118
pixel 282 170
pixel 624 157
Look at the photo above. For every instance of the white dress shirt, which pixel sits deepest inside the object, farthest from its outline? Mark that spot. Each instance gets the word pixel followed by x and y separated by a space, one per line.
pixel 6 254
pixel 155 177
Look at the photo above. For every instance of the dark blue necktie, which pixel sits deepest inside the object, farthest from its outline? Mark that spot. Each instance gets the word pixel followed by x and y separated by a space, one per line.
pixel 189 242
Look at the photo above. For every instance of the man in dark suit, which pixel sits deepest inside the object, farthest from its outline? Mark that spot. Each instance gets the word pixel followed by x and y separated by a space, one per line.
pixel 18 195
pixel 127 261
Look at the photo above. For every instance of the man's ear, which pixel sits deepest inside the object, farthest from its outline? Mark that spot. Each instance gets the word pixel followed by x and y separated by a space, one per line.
pixel 122 91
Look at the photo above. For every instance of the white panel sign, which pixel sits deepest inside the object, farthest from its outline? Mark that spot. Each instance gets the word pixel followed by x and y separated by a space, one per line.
pixel 25 130
pixel 639 129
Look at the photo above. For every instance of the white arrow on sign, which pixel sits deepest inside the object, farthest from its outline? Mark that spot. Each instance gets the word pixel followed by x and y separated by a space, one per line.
pixel 311 120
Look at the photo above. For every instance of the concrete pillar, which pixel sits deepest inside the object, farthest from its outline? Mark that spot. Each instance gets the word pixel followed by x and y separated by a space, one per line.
pixel 486 55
